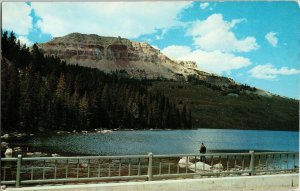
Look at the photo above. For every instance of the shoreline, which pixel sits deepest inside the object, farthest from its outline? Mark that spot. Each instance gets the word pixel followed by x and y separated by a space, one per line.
pixel 104 130
pixel 13 135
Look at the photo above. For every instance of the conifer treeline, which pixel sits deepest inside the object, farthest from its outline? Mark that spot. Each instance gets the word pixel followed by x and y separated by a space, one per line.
pixel 44 93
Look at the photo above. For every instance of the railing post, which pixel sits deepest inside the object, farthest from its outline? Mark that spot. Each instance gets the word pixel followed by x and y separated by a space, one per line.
pixel 252 169
pixel 18 174
pixel 150 176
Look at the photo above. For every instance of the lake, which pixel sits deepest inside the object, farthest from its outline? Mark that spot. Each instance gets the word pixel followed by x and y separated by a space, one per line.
pixel 165 142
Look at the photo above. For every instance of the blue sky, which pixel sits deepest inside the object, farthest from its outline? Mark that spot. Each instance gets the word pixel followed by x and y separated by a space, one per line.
pixel 257 43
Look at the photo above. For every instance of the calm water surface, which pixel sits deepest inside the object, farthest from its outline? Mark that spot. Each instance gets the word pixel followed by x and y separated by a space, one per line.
pixel 166 142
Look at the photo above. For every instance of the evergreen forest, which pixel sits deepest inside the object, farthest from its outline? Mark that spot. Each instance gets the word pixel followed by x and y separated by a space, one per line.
pixel 44 93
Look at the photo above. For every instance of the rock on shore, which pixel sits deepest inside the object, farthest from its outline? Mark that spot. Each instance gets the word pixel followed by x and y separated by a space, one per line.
pixel 200 166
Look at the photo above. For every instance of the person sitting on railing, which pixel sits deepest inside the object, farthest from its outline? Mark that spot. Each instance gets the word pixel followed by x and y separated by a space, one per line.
pixel 202 151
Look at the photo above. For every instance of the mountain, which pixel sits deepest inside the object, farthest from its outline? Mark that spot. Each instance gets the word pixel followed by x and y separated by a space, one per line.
pixel 214 101
pixel 139 60
pixel 132 59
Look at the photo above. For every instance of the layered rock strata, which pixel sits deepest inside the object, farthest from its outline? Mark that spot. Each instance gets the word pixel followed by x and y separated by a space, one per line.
pixel 138 59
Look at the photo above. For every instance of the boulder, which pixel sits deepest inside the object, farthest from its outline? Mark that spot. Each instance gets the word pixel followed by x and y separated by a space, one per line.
pixel 106 131
pixel 21 135
pixel 17 149
pixel 84 165
pixel 200 166
pixel 37 154
pixel 194 159
pixel 8 153
pixel 218 166
pixel 62 132
pixel 29 154
pixel 55 155
pixel 5 136
pixel 4 145
pixel 184 161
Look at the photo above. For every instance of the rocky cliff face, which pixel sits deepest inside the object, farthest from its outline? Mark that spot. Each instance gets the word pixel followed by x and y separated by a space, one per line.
pixel 108 54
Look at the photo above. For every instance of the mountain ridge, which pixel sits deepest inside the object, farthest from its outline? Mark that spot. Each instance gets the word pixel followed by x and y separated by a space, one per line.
pixel 138 59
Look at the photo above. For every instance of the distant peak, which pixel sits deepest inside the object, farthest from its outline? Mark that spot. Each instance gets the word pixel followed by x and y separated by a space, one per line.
pixel 116 53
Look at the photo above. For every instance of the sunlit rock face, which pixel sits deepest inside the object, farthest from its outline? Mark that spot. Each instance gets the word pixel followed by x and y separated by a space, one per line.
pixel 138 59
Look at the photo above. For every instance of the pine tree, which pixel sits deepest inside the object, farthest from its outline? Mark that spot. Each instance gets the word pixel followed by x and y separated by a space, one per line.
pixel 5 44
pixel 61 87
pixel 189 126
pixel 4 92
pixel 184 117
pixel 30 109
pixel 84 112
pixel 13 99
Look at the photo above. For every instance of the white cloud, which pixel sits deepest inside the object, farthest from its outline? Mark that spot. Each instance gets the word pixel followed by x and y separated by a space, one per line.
pixel 269 72
pixel 126 19
pixel 215 43
pixel 214 33
pixel 175 52
pixel 15 16
pixel 272 39
pixel 204 5
pixel 215 61
pixel 25 40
